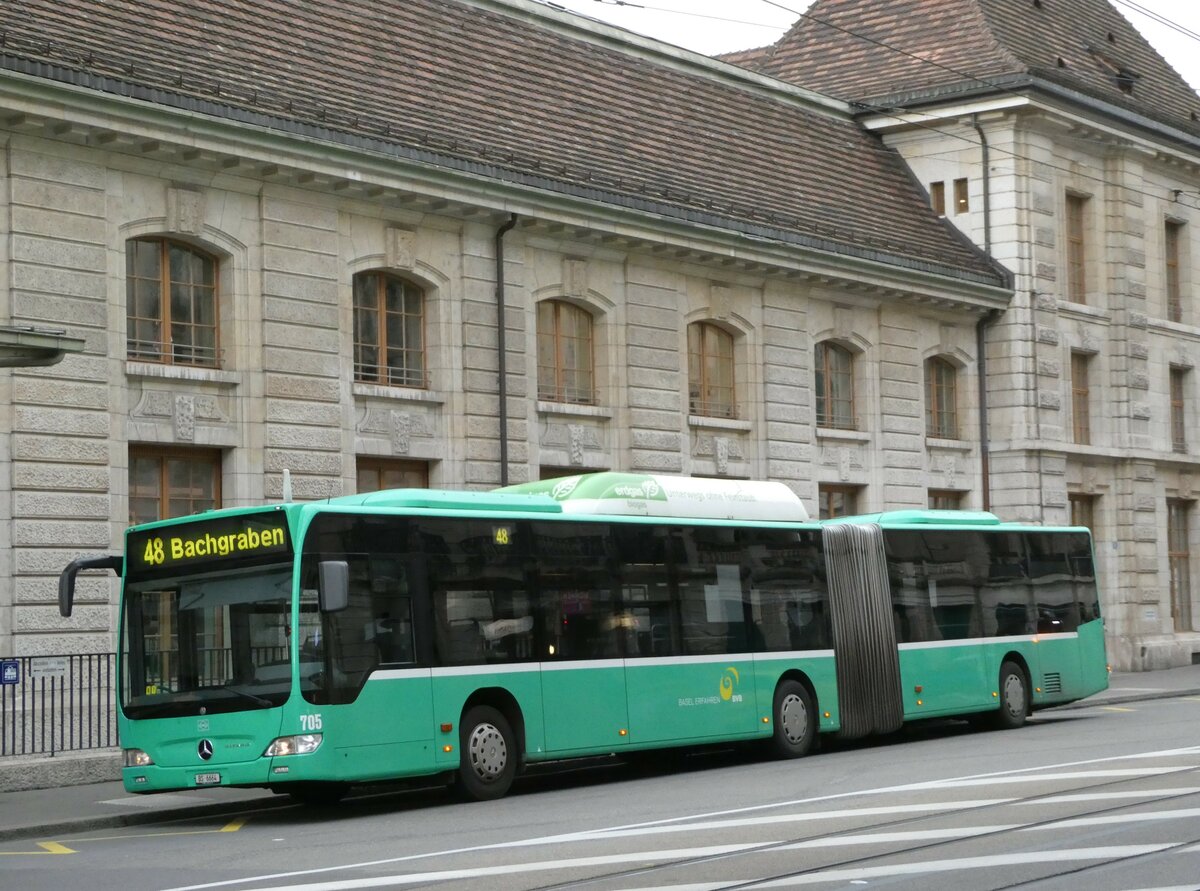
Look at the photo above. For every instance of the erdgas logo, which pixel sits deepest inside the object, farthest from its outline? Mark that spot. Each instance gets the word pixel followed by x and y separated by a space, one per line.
pixel 729 682
pixel 565 487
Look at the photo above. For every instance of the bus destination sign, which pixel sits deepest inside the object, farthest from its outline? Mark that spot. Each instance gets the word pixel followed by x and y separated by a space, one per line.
pixel 207 541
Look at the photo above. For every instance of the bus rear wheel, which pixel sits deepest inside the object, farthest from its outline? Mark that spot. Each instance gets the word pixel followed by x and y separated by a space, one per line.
pixel 795 720
pixel 487 754
pixel 1014 698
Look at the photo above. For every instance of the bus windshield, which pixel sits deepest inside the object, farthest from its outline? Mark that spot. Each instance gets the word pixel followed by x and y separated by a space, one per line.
pixel 205 643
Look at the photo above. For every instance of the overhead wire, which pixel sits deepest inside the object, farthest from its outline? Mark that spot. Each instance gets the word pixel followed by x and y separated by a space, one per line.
pixel 907 115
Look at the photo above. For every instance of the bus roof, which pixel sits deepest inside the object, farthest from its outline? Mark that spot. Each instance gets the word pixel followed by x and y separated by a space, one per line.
pixel 664 495
pixel 924 518
pixel 444 499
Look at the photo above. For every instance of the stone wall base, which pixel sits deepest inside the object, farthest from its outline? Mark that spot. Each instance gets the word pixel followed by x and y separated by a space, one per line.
pixel 19 773
pixel 1153 652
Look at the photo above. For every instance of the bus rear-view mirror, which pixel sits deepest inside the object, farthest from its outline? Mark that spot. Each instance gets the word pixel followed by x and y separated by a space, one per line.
pixel 333 592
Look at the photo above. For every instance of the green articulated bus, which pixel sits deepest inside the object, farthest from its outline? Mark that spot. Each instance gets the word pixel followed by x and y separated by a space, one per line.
pixel 306 647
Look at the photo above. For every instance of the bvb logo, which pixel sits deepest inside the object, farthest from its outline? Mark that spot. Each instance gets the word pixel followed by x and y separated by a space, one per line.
pixel 729 682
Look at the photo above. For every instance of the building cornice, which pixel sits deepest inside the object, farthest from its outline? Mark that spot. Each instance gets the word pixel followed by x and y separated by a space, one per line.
pixel 955 102
pixel 106 113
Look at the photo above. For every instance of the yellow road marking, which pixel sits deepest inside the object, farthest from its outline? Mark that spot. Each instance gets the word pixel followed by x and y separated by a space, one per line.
pixel 56 848
pixel 49 848
pixel 1113 708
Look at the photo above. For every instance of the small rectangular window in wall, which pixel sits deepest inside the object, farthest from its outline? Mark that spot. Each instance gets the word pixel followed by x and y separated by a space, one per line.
pixel 375 474
pixel 1076 255
pixel 962 201
pixel 1179 517
pixel 945 499
pixel 1081 414
pixel 166 483
pixel 1083 510
pixel 937 198
pixel 1172 238
pixel 837 501
pixel 1179 410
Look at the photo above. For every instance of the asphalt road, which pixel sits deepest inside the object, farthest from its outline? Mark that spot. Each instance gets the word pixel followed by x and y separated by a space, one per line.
pixel 1101 798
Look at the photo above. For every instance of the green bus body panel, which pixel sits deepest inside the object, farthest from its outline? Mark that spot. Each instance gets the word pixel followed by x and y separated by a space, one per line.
pixel 677 700
pixel 386 732
pixel 585 707
pixel 952 679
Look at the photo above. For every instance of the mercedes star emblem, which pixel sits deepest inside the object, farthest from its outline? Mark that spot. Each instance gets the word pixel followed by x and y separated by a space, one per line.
pixel 205 749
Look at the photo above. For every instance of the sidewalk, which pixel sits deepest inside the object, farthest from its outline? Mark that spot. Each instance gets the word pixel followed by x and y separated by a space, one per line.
pixel 68 809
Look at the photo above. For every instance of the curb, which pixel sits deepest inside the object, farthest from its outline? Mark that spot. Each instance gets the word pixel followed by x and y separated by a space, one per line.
pixel 50 831
pixel 1117 699
pixel 270 801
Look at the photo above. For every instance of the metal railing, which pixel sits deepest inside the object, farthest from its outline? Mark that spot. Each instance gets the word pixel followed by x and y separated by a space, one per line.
pixel 51 704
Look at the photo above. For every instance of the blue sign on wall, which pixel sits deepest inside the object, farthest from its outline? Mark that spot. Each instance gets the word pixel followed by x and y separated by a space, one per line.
pixel 10 671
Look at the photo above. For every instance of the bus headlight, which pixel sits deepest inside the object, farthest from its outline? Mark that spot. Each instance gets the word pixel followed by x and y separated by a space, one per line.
pixel 137 758
pixel 303 744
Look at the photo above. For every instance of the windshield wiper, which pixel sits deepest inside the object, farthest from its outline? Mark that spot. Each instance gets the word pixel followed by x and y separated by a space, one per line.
pixel 257 700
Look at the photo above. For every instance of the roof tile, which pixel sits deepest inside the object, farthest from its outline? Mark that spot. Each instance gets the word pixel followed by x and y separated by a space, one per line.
pixel 477 85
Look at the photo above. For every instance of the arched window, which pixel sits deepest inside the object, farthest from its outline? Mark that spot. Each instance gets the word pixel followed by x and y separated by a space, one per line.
pixel 834 366
pixel 564 351
pixel 941 399
pixel 389 331
pixel 171 303
pixel 711 391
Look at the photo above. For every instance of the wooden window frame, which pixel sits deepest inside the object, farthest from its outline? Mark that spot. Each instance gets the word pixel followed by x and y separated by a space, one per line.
pixel 941 399
pixel 832 360
pixel 556 381
pixel 411 369
pixel 380 466
pixel 1178 395
pixel 1083 509
pixel 1179 558
pixel 166 348
pixel 937 197
pixel 1076 243
pixel 1172 237
pixel 962 196
pixel 164 455
pixel 825 491
pixel 1081 411
pixel 712 352
pixel 945 499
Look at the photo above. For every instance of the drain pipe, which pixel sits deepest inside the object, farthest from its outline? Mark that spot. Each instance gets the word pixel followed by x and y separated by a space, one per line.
pixel 502 347
pixel 985 481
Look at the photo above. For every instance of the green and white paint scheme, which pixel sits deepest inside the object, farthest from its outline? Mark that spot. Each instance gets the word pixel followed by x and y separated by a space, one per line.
pixel 408 633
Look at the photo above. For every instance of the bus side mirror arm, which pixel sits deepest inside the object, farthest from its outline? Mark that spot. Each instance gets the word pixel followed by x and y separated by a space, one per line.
pixel 66 580
pixel 333 590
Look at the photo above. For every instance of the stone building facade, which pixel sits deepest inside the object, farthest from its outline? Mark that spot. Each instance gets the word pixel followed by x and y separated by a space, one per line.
pixel 132 189
pixel 1056 138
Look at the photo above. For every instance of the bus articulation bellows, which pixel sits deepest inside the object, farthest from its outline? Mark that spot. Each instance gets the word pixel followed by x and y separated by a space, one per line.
pixel 306 647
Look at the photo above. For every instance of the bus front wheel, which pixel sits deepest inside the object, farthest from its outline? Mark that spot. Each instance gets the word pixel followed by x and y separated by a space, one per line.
pixel 1014 697
pixel 487 754
pixel 795 720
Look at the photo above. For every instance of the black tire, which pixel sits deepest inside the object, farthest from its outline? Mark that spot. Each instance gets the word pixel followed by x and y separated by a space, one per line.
pixel 488 755
pixel 795 720
pixel 1014 698
pixel 316 794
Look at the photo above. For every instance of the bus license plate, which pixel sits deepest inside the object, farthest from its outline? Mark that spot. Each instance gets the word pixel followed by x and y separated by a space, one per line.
pixel 208 779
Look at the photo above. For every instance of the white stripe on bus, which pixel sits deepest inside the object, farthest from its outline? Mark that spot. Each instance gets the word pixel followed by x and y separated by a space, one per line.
pixel 976 641
pixel 394 674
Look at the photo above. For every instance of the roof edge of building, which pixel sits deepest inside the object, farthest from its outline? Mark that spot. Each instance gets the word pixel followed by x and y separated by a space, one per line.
pixel 136 98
